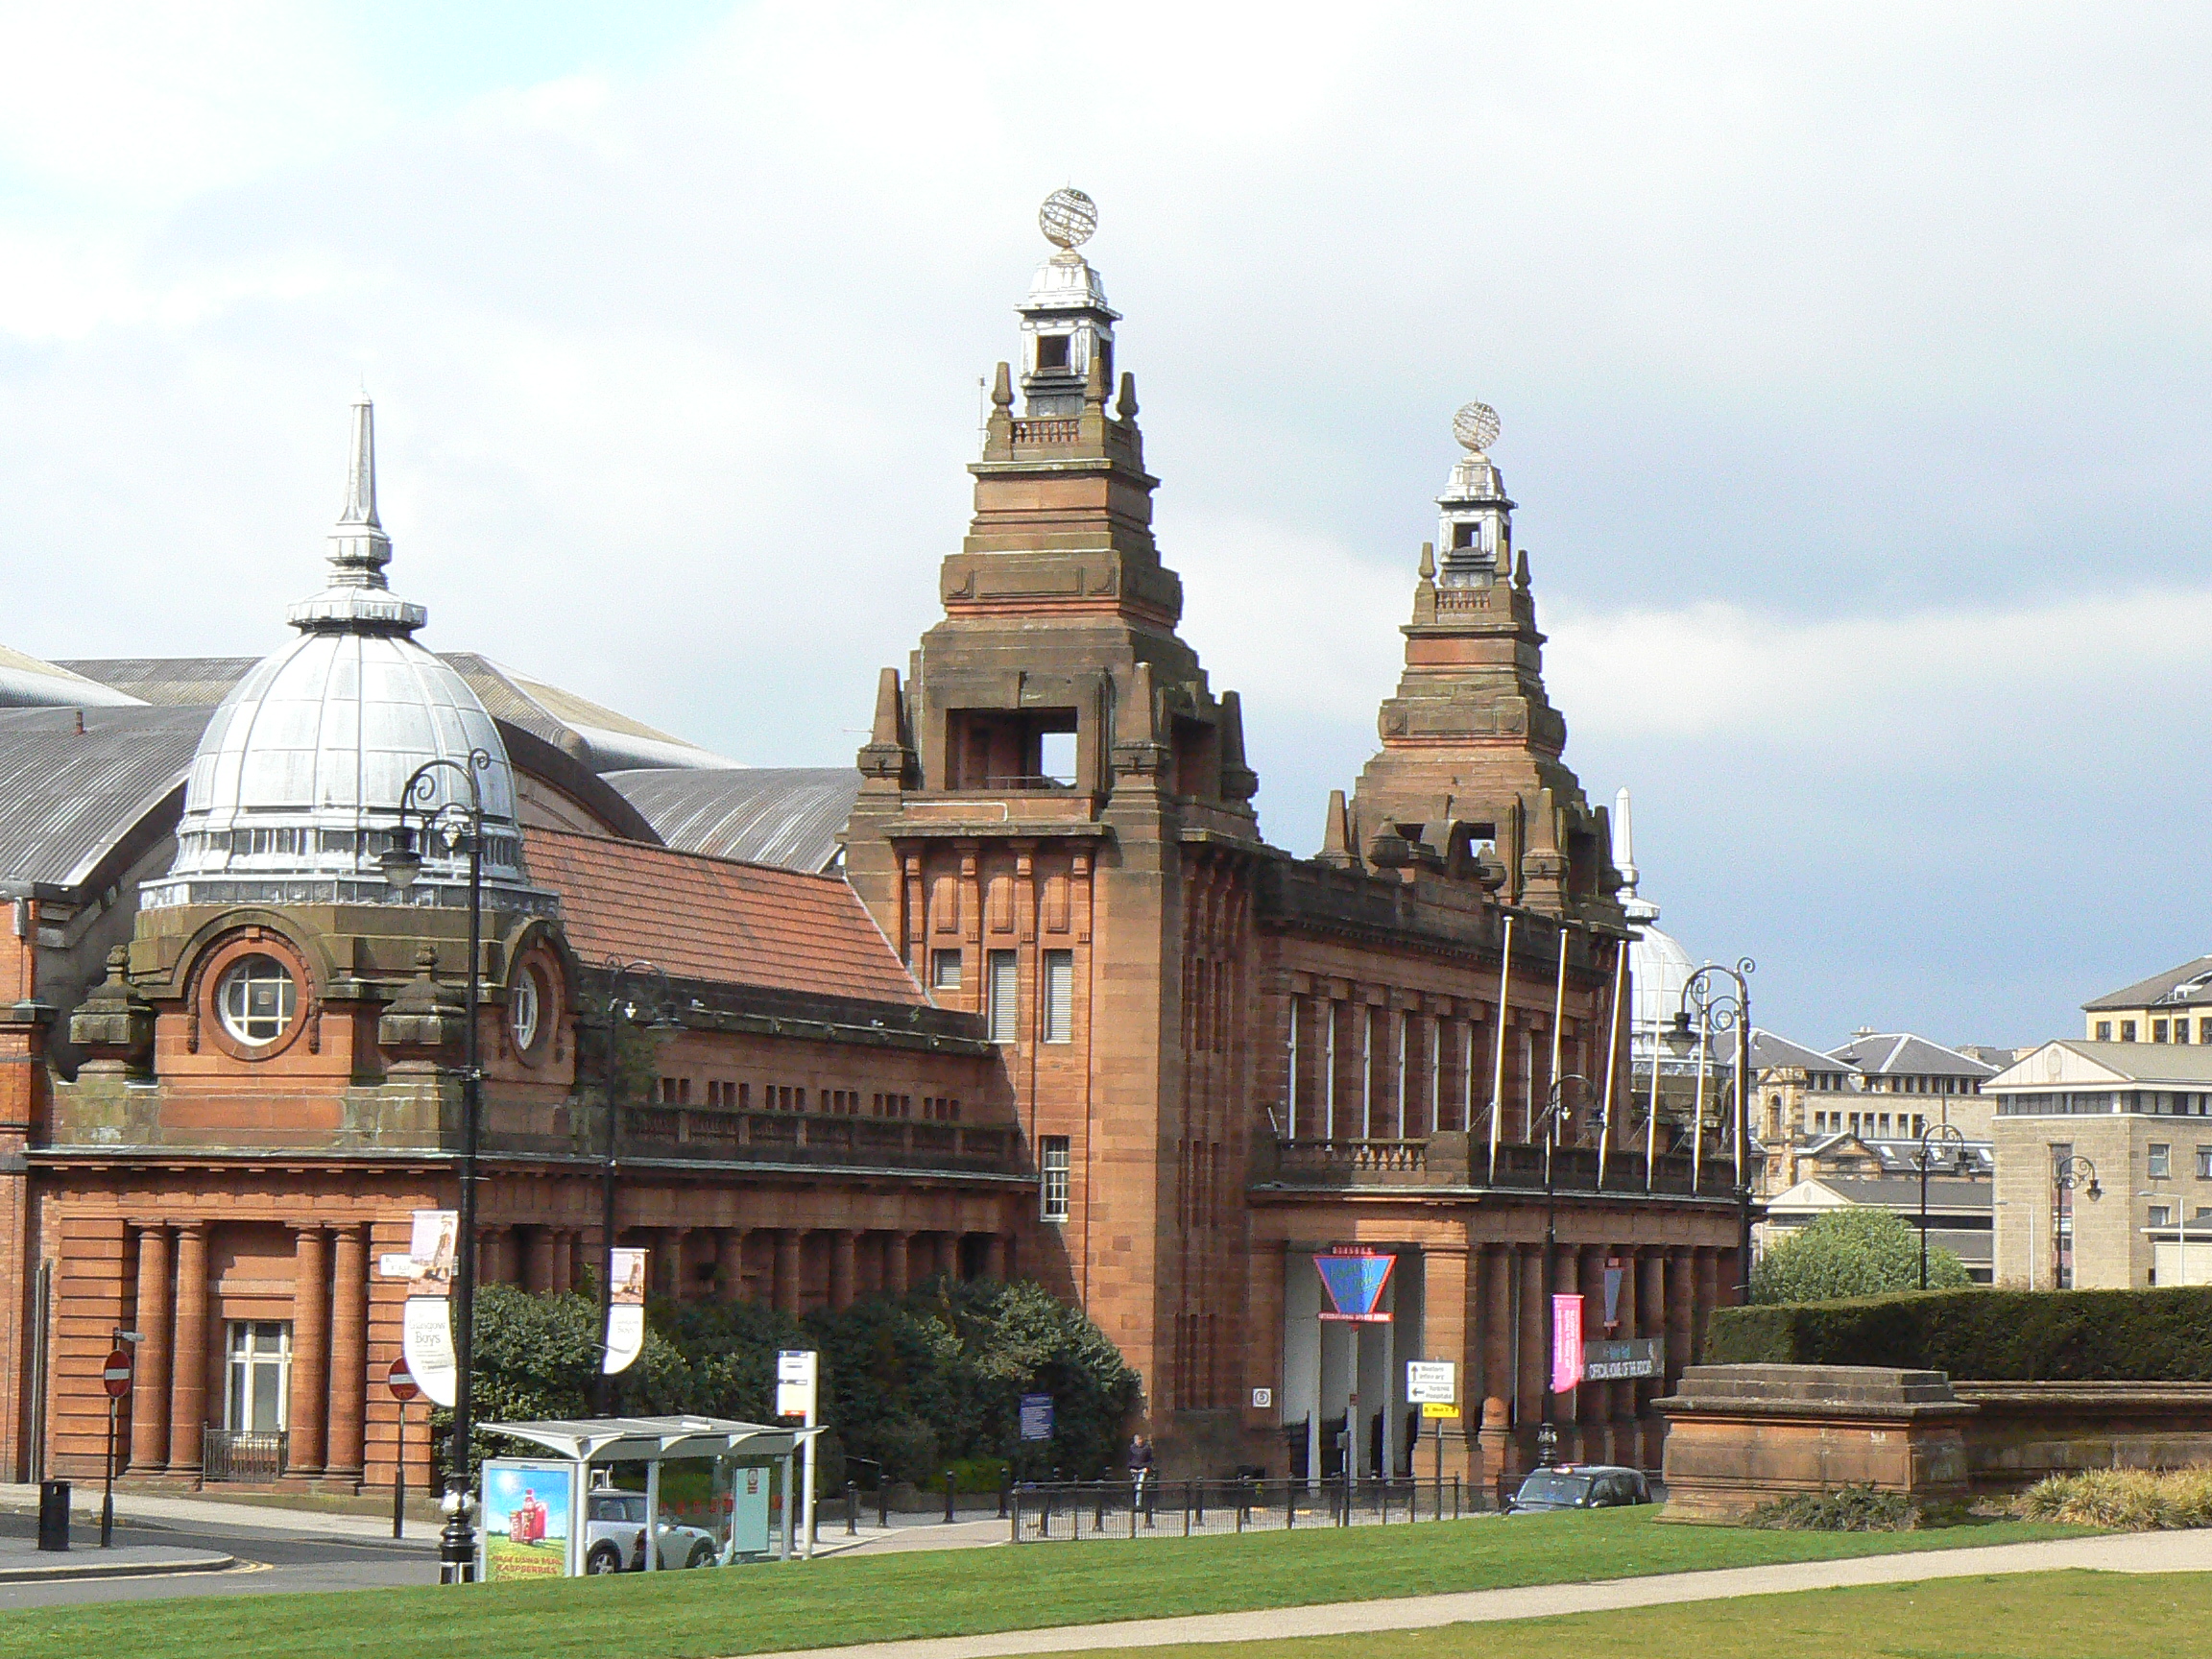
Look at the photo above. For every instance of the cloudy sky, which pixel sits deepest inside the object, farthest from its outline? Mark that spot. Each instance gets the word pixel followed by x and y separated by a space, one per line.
pixel 1852 364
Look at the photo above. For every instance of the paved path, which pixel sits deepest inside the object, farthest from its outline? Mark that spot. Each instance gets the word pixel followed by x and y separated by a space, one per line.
pixel 23 1562
pixel 2147 1553
pixel 185 1511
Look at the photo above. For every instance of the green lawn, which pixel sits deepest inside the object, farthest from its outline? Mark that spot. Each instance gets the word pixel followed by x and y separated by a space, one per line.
pixel 932 1593
pixel 2026 1615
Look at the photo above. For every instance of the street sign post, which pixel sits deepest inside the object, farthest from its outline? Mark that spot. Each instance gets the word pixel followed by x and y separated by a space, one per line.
pixel 401 1382
pixel 115 1378
pixel 1433 1386
pixel 797 1373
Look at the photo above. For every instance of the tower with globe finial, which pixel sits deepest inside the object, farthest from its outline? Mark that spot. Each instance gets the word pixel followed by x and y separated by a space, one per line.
pixel 1470 774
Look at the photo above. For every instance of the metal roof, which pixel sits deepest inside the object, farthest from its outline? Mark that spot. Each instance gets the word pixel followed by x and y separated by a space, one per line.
pixel 1900 1053
pixel 651 1440
pixel 1768 1049
pixel 28 683
pixel 2190 984
pixel 68 798
pixel 787 816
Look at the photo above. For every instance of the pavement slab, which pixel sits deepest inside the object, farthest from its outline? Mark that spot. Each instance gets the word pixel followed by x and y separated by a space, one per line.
pixel 23 1562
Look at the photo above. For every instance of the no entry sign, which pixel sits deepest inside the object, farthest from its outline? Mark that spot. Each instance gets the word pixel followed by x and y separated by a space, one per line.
pixel 401 1382
pixel 116 1375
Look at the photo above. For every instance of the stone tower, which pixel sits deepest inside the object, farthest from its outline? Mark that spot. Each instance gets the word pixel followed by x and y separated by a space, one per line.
pixel 1053 811
pixel 1470 774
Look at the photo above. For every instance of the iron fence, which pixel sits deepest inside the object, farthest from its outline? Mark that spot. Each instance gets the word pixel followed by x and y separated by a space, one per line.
pixel 234 1454
pixel 1071 1510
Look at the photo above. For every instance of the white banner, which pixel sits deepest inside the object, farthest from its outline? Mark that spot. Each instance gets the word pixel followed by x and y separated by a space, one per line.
pixel 626 1310
pixel 426 1338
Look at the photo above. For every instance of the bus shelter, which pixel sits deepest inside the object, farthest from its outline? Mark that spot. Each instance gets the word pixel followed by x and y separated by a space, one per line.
pixel 538 1515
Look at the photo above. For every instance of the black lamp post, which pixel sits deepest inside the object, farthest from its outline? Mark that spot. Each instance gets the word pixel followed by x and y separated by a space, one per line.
pixel 618 1009
pixel 1930 1138
pixel 1716 1011
pixel 2067 1172
pixel 402 865
pixel 1547 1430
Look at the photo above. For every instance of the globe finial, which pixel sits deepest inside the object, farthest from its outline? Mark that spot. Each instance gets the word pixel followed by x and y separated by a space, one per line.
pixel 1069 218
pixel 1476 426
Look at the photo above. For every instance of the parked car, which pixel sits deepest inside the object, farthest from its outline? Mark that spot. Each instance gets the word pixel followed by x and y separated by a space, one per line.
pixel 1578 1486
pixel 615 1536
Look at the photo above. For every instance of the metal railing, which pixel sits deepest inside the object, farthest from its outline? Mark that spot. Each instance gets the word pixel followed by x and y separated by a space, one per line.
pixel 742 1136
pixel 237 1454
pixel 1071 1510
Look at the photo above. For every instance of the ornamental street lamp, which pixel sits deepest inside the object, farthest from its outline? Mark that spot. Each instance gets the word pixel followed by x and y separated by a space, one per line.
pixel 1931 1137
pixel 620 1009
pixel 1716 1011
pixel 1547 1121
pixel 2068 1171
pixel 457 826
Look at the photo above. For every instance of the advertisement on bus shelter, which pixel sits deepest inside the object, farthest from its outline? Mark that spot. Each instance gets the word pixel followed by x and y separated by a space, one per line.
pixel 529 1515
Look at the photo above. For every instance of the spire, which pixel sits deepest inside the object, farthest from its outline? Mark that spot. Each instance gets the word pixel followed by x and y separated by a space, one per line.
pixel 1637 909
pixel 888 755
pixel 1336 835
pixel 358 599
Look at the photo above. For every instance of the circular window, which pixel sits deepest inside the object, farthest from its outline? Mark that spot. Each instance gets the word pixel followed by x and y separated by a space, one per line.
pixel 257 1000
pixel 526 1008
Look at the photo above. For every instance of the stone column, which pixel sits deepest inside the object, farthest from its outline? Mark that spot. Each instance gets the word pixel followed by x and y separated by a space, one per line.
pixel 564 1260
pixel 787 1269
pixel 994 1257
pixel 895 1262
pixel 149 1379
pixel 1446 1336
pixel 349 1350
pixel 1495 1313
pixel 188 1371
pixel 729 1263
pixel 541 1276
pixel 303 1445
pixel 948 1254
pixel 842 1245
pixel 1627 1397
pixel 1652 1312
pixel 1705 1291
pixel 494 1254
pixel 1678 1315
pixel 1527 1400
pixel 1593 1401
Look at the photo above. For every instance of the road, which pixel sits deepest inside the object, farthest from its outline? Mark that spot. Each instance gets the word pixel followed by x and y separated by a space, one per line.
pixel 272 1559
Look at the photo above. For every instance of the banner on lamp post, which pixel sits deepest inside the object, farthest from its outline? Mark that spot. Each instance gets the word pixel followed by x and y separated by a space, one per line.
pixel 426 1322
pixel 1613 1276
pixel 1566 1343
pixel 625 1309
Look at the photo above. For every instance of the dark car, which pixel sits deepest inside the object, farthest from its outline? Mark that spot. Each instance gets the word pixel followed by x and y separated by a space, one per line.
pixel 1578 1486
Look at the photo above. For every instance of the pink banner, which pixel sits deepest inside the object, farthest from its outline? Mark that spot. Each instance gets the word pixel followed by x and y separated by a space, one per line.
pixel 1566 1343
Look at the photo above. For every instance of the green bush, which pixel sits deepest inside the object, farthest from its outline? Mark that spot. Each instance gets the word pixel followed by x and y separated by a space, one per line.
pixel 1851 1253
pixel 2160 1335
pixel 920 1383
pixel 1860 1507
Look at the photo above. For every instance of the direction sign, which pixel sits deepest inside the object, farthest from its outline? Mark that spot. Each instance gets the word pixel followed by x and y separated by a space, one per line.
pixel 1438 1410
pixel 401 1382
pixel 116 1375
pixel 1432 1382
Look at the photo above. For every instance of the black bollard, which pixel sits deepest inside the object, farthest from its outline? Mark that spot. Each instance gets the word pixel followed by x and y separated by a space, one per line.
pixel 852 1509
pixel 949 1484
pixel 54 1515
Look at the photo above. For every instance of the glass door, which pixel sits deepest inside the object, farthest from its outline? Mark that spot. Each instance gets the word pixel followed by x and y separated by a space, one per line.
pixel 260 1367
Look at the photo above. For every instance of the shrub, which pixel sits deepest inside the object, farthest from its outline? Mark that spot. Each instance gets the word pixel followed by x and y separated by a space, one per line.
pixel 1862 1507
pixel 2125 1500
pixel 2160 1335
pixel 1851 1253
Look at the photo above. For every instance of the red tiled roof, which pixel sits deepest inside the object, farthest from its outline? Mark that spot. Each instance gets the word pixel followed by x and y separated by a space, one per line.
pixel 714 919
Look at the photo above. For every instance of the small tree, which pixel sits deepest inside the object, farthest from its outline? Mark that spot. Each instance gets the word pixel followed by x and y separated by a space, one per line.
pixel 1856 1252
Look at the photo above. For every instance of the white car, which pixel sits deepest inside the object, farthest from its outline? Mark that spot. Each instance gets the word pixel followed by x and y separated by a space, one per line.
pixel 615 1536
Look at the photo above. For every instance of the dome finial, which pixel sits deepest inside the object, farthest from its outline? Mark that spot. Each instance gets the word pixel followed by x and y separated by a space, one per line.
pixel 358 599
pixel 361 465
pixel 1068 219
pixel 1476 428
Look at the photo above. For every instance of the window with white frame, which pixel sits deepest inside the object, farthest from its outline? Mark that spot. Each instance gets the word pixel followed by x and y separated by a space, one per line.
pixel 2161 1215
pixel 944 970
pixel 256 1400
pixel 1004 986
pixel 2161 1156
pixel 1052 1171
pixel 1059 996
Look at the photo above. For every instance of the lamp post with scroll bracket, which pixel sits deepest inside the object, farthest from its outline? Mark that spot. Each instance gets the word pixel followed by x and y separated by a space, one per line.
pixel 620 1008
pixel 1547 1121
pixel 2068 1171
pixel 1935 1135
pixel 458 826
pixel 1718 1010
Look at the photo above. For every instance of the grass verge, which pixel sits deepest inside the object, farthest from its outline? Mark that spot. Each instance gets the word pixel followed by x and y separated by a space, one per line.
pixel 942 1593
pixel 2021 1615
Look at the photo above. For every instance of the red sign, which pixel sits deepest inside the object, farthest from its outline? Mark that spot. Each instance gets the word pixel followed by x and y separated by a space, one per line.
pixel 1566 1343
pixel 116 1375
pixel 401 1382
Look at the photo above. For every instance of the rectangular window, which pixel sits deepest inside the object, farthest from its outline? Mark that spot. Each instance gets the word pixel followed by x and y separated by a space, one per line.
pixel 2180 1030
pixel 259 1382
pixel 1919 1124
pixel 2161 1160
pixel 1004 985
pixel 2204 1030
pixel 944 969
pixel 1059 996
pixel 1051 351
pixel 2104 1030
pixel 2158 1030
pixel 2161 1215
pixel 2127 1030
pixel 2205 1163
pixel 1052 1169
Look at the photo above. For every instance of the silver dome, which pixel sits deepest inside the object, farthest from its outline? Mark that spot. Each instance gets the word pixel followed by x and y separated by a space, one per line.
pixel 295 790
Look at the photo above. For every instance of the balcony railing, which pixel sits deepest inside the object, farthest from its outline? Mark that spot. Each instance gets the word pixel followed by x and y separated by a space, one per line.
pixel 720 1135
pixel 238 1454
pixel 1457 1158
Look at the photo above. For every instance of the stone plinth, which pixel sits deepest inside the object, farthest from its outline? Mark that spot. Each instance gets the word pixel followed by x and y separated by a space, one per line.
pixel 1741 1435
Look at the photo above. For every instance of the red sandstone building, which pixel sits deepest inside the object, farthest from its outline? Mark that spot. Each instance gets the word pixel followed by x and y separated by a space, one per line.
pixel 1028 992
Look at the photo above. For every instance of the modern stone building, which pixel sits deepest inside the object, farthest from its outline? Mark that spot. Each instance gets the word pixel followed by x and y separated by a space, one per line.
pixel 2174 1006
pixel 1025 992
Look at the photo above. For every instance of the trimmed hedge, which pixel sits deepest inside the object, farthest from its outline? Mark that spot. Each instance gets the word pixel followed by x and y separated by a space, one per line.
pixel 1983 1335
